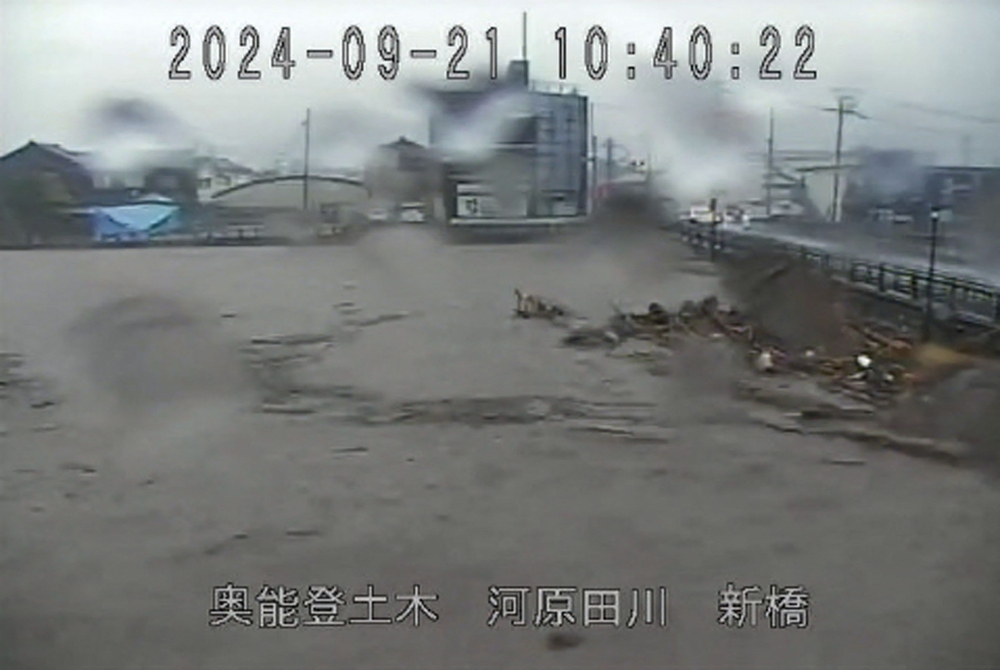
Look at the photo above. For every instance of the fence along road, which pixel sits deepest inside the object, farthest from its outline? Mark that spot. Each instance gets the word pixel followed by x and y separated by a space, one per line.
pixel 967 300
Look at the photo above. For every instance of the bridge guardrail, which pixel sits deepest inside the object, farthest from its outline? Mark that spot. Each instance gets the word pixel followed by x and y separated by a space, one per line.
pixel 967 300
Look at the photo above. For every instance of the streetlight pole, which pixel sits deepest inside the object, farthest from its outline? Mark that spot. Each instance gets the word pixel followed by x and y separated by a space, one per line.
pixel 714 231
pixel 770 163
pixel 929 305
pixel 305 168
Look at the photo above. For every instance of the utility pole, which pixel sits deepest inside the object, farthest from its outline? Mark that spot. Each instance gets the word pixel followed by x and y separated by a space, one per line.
pixel 649 172
pixel 845 107
pixel 524 36
pixel 593 171
pixel 929 305
pixel 769 177
pixel 649 164
pixel 835 213
pixel 305 169
pixel 609 148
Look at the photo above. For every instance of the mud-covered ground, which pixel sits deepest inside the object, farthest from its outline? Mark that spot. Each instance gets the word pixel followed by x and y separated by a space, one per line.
pixel 175 420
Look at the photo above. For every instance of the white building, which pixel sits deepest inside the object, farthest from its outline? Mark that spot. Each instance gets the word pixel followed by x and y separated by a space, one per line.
pixel 217 174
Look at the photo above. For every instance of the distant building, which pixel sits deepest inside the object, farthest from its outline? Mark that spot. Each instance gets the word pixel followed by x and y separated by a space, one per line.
pixel 161 169
pixel 536 164
pixel 44 190
pixel 68 169
pixel 961 188
pixel 883 180
pixel 88 180
pixel 76 184
pixel 276 202
pixel 401 171
pixel 893 185
pixel 217 173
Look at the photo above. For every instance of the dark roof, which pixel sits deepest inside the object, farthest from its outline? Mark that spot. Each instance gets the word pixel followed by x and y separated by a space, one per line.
pixel 64 152
pixel 403 143
pixel 60 152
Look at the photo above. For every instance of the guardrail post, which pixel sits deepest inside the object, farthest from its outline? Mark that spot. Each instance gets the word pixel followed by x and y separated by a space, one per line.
pixel 914 286
pixel 881 277
pixel 929 308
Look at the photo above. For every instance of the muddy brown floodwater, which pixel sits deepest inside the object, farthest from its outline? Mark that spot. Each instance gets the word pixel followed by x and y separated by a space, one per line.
pixel 177 420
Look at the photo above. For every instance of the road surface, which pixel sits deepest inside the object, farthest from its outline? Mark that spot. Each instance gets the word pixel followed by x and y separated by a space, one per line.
pixel 908 253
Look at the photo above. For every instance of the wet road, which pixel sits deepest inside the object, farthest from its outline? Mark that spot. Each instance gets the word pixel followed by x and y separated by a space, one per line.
pixel 907 253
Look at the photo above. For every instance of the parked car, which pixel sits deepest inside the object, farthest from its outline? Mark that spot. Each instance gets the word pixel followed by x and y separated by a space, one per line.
pixel 378 214
pixel 412 212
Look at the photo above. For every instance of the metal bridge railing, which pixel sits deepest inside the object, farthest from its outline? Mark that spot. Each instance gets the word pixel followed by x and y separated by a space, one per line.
pixel 967 300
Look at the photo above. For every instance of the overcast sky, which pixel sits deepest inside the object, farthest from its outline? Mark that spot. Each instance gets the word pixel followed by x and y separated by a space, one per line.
pixel 60 58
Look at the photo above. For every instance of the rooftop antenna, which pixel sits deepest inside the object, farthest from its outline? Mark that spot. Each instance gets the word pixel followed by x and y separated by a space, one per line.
pixel 524 35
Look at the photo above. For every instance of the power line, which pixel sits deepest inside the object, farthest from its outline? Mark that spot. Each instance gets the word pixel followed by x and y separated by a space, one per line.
pixel 879 119
pixel 937 111
pixel 910 126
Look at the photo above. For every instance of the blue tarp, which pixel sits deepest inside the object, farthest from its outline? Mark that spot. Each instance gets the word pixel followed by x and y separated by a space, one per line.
pixel 134 222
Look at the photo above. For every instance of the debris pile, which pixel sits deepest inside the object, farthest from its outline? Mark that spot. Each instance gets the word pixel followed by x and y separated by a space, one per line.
pixel 884 363
pixel 800 306
pixel 532 306
pixel 938 399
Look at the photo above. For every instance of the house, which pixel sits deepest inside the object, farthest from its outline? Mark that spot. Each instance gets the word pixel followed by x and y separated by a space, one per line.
pixel 898 186
pixel 514 149
pixel 69 185
pixel 67 171
pixel 401 171
pixel 119 170
pixel 85 178
pixel 217 173
pixel 43 189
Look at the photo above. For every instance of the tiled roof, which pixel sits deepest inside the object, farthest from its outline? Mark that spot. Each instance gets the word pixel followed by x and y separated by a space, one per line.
pixel 402 142
pixel 63 152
